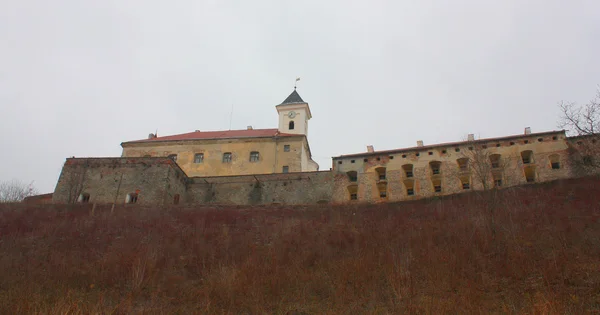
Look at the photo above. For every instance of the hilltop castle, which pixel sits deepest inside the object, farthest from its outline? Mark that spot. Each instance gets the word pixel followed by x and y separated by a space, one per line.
pixel 266 166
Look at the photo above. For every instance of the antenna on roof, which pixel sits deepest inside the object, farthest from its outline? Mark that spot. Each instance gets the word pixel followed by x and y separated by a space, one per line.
pixel 295 83
pixel 230 116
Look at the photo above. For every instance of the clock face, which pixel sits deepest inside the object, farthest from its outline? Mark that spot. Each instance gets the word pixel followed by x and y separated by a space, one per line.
pixel 292 114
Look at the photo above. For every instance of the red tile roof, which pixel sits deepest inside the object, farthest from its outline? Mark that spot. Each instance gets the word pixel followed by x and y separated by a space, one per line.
pixel 225 134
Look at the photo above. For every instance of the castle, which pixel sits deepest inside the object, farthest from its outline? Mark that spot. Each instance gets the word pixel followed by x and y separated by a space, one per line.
pixel 275 166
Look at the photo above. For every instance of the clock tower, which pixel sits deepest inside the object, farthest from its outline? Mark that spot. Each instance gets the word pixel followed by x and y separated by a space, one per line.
pixel 294 114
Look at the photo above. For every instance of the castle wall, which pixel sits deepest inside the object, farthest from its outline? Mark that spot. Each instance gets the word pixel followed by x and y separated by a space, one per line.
pixel 272 156
pixel 290 188
pixel 108 180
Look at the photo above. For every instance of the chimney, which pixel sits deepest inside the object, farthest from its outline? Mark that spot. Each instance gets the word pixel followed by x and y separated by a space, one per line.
pixel 196 130
pixel 419 143
pixel 151 136
pixel 370 149
pixel 470 137
pixel 249 128
pixel 527 130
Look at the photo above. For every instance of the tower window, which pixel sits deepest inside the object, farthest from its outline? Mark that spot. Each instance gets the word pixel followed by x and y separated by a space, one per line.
pixel 254 156
pixel 286 148
pixel 198 158
pixel 291 125
pixel 227 157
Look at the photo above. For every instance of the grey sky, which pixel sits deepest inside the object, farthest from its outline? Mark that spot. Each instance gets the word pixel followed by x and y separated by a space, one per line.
pixel 79 77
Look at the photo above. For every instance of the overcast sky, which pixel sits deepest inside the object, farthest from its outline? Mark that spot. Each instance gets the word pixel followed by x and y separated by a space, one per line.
pixel 77 78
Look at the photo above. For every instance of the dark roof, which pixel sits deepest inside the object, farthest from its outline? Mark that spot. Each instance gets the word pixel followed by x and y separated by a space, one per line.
pixel 449 144
pixel 293 98
pixel 226 134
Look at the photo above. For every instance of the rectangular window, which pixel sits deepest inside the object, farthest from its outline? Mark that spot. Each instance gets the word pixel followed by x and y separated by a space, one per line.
pixel 497 183
pixel 353 196
pixel 286 169
pixel 466 186
pixel 410 192
pixel 198 158
pixel 254 156
pixel 382 194
pixel 409 174
pixel 227 157
pixel 555 165
pixel 437 188
pixel 286 148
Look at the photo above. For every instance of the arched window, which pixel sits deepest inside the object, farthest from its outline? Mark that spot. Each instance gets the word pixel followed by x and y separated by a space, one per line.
pixel 131 198
pixel 84 198
pixel 352 176
pixel 291 125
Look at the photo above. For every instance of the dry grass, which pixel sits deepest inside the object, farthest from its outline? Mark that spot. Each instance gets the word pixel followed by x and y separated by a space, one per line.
pixel 537 252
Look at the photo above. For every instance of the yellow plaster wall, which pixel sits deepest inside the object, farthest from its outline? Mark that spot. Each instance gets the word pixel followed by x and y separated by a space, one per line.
pixel 271 150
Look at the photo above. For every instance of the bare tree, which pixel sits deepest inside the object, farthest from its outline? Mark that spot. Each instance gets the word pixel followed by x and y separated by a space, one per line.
pixel 583 123
pixel 15 191
pixel 75 180
pixel 581 120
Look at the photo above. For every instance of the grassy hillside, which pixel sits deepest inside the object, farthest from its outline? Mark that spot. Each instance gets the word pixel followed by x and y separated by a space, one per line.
pixel 533 250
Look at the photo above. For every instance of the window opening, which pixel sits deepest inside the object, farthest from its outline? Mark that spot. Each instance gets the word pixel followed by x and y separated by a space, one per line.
pixel 380 173
pixel 198 158
pixel 131 198
pixel 286 148
pixel 254 156
pixel 463 164
pixel 227 157
pixel 352 176
pixel 408 170
pixel 554 161
pixel 84 198
pixel 286 169
pixel 495 160
pixel 527 156
pixel 291 125
pixel 435 167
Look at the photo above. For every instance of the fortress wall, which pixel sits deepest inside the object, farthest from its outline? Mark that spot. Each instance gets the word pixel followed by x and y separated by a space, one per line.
pixel 109 180
pixel 289 188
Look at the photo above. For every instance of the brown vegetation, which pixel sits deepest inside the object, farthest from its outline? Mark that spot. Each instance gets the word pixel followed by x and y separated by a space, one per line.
pixel 430 256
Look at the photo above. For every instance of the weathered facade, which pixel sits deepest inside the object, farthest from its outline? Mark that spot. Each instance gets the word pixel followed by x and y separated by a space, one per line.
pixel 449 168
pixel 238 152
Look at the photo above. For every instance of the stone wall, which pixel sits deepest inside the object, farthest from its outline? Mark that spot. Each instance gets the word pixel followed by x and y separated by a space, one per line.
pixel 290 188
pixel 108 180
